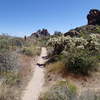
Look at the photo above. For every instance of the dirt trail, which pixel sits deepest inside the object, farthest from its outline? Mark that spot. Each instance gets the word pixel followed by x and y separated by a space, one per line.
pixel 35 86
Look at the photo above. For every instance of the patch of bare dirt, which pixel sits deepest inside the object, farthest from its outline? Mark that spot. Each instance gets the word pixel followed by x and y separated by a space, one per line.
pixel 82 82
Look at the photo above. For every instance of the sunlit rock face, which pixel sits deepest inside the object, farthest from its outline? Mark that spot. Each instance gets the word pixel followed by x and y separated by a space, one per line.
pixel 94 17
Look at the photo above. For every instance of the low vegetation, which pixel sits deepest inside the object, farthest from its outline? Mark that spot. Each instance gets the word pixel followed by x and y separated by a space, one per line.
pixel 62 90
pixel 74 59
pixel 31 51
pixel 9 76
pixel 15 65
pixel 79 55
pixel 81 62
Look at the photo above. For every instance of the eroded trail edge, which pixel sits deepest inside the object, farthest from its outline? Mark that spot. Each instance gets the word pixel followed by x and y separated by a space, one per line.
pixel 35 86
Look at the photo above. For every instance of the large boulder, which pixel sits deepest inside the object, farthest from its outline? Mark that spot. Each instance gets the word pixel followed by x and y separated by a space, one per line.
pixel 94 17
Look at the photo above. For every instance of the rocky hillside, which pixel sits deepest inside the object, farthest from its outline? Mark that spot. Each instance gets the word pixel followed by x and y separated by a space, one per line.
pixel 87 29
pixel 93 26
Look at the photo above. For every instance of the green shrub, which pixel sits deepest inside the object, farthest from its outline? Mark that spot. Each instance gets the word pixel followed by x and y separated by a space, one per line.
pixel 9 68
pixel 27 51
pixel 60 91
pixel 11 78
pixel 4 45
pixel 31 51
pixel 10 43
pixel 16 42
pixel 98 29
pixel 80 54
pixel 81 62
pixel 56 67
pixel 9 92
pixel 9 62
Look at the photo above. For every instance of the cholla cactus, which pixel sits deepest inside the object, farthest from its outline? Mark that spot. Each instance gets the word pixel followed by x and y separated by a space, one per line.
pixel 79 41
pixel 93 37
pixel 67 43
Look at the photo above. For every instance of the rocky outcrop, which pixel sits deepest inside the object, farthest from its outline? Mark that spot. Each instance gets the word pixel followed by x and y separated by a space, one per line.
pixel 93 26
pixel 94 17
pixel 72 33
pixel 87 29
pixel 40 33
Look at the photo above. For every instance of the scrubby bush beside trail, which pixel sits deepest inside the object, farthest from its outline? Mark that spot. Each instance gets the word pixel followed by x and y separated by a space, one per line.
pixel 81 62
pixel 15 65
pixel 31 51
pixel 27 47
pixel 62 90
pixel 67 43
pixel 27 51
pixel 80 55
pixel 10 43
pixel 70 57
pixel 9 92
pixel 9 67
pixel 9 76
pixel 9 62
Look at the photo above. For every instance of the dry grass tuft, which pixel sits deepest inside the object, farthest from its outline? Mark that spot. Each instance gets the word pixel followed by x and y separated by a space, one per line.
pixel 56 67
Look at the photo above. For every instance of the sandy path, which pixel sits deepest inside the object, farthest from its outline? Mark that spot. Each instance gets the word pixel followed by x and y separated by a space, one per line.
pixel 36 84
